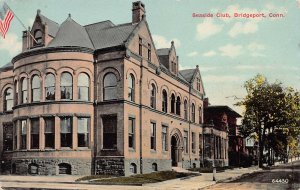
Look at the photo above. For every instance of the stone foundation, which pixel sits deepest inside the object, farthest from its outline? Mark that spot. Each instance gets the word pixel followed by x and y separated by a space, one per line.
pixel 50 166
pixel 162 165
pixel 109 166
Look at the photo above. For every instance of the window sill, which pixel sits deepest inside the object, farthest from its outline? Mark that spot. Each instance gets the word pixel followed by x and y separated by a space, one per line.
pixel 112 149
pixel 152 151
pixel 131 150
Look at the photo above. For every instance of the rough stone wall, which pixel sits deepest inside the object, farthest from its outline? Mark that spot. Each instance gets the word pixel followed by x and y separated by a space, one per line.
pixel 162 165
pixel 50 166
pixel 110 166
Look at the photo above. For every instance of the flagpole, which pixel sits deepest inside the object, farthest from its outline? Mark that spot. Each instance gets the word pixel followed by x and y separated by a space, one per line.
pixel 20 22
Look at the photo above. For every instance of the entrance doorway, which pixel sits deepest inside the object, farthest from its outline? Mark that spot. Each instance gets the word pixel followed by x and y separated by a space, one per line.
pixel 175 150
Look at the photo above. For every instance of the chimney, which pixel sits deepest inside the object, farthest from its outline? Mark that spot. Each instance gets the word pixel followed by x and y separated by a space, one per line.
pixel 138 10
pixel 206 102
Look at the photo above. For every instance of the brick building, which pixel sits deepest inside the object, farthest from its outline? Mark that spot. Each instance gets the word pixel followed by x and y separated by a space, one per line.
pixel 218 135
pixel 98 99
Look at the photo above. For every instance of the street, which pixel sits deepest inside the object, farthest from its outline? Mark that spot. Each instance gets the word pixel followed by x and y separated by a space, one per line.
pixel 280 177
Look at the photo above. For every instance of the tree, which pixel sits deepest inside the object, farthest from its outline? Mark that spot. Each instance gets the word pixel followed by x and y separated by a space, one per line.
pixel 270 112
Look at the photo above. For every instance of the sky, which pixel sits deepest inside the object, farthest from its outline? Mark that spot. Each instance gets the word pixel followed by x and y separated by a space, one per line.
pixel 229 51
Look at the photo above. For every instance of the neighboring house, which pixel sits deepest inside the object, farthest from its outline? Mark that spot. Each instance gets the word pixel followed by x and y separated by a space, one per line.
pixel 218 121
pixel 98 99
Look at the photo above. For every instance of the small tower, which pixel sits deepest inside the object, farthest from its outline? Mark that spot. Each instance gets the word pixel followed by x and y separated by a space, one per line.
pixel 138 10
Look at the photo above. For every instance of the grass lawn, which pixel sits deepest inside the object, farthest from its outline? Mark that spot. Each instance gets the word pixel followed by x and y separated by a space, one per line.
pixel 139 178
pixel 92 177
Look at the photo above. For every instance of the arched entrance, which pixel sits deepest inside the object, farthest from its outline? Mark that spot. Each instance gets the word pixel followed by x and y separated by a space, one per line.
pixel 176 148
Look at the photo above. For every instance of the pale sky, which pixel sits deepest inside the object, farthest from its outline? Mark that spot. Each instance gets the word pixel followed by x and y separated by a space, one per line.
pixel 228 51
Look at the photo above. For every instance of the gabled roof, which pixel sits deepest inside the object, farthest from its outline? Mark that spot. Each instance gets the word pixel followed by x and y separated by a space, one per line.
pixel 163 51
pixel 6 67
pixel 52 26
pixel 188 74
pixel 71 33
pixel 104 35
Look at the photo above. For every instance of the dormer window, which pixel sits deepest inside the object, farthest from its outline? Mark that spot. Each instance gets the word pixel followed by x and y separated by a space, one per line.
pixel 149 52
pixel 198 84
pixel 38 36
pixel 140 47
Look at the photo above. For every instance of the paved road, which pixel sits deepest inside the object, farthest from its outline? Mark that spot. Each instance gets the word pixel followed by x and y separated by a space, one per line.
pixel 280 177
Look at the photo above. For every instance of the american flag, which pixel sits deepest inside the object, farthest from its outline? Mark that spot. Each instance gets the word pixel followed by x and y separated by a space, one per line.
pixel 6 16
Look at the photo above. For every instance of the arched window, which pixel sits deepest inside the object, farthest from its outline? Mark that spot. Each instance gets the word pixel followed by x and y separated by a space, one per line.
pixel 50 87
pixel 172 103
pixel 8 99
pixel 193 112
pixel 24 86
pixel 154 167
pixel 83 87
pixel 153 96
pixel 178 105
pixel 64 168
pixel 185 110
pixel 164 101
pixel 16 93
pixel 131 87
pixel 132 168
pixel 35 89
pixel 110 87
pixel 66 86
pixel 38 36
pixel 200 115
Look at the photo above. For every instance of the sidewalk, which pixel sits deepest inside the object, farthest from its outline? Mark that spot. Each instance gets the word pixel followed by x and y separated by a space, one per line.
pixel 68 182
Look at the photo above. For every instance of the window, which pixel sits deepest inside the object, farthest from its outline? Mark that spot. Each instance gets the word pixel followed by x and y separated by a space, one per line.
pixel 15 135
pixel 153 136
pixel 193 112
pixel 149 52
pixel 185 142
pixel 110 87
pixel 198 84
pixel 24 90
pixel 83 132
pixel 153 96
pixel 193 143
pixel 35 89
pixel 35 133
pixel 172 103
pixel 185 110
pixel 164 101
pixel 154 167
pixel 140 47
pixel 178 105
pixel 66 86
pixel 164 138
pixel 64 168
pixel 8 99
pixel 131 87
pixel 83 87
pixel 7 137
pixel 23 134
pixel 66 132
pixel 200 115
pixel 50 87
pixel 33 169
pixel 132 168
pixel 49 132
pixel 200 145
pixel 16 92
pixel 109 132
pixel 38 36
pixel 131 129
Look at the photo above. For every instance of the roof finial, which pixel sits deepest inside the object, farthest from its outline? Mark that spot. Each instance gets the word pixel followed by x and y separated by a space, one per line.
pixel 172 43
pixel 69 15
pixel 38 11
pixel 197 66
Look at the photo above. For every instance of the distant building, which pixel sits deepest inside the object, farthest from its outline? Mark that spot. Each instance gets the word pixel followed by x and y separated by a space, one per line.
pixel 98 99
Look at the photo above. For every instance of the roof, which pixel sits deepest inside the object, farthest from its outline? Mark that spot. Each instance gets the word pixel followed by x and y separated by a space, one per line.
pixel 71 33
pixel 220 108
pixel 52 26
pixel 6 67
pixel 105 34
pixel 188 74
pixel 163 51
